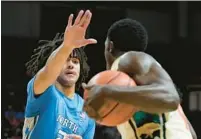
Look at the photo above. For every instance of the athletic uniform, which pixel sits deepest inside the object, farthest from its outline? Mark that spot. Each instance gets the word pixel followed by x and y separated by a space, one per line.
pixel 53 115
pixel 142 125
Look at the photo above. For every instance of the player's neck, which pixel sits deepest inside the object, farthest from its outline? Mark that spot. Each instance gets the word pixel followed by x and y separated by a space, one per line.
pixel 68 91
pixel 111 60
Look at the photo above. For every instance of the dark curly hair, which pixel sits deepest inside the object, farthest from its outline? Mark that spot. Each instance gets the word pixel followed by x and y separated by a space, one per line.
pixel 41 54
pixel 128 35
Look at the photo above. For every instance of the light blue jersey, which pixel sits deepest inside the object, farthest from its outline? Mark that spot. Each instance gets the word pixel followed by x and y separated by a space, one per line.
pixel 53 115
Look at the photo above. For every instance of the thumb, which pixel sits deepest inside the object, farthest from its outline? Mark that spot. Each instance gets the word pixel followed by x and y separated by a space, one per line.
pixel 89 41
pixel 87 87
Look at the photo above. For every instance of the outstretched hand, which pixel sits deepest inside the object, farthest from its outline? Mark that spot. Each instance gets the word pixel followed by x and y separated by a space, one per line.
pixel 74 35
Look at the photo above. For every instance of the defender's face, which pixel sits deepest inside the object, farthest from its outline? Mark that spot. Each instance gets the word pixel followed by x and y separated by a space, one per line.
pixel 70 72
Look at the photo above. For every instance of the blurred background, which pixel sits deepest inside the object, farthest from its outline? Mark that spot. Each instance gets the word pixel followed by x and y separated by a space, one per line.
pixel 174 30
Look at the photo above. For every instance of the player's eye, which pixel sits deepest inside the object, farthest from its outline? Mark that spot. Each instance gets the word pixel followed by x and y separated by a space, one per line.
pixel 75 60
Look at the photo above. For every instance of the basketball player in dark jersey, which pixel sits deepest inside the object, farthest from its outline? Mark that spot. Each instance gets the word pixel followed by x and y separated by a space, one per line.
pixel 161 116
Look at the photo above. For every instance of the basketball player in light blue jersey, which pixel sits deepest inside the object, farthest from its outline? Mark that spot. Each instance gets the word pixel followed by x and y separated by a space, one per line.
pixel 53 109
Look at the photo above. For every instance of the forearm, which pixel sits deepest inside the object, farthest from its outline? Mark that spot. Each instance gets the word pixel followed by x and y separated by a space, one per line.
pixel 49 73
pixel 57 60
pixel 192 131
pixel 150 98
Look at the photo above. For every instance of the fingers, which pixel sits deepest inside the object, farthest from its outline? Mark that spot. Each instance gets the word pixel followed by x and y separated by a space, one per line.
pixel 84 85
pixel 87 87
pixel 70 20
pixel 91 41
pixel 78 18
pixel 91 112
pixel 85 42
pixel 86 17
pixel 87 20
pixel 82 20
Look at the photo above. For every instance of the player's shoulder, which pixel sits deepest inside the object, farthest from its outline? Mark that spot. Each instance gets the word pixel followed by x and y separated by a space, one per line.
pixel 140 58
pixel 136 55
pixel 137 62
pixel 30 85
pixel 136 58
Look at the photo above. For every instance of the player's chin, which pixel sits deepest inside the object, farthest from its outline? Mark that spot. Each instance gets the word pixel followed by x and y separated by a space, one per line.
pixel 70 81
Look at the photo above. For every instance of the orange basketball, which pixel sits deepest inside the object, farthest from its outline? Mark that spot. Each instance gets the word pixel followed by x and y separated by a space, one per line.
pixel 112 112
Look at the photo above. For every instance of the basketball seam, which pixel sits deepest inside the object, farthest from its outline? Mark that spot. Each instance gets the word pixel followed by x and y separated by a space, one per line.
pixel 133 108
pixel 113 78
pixel 117 102
pixel 110 110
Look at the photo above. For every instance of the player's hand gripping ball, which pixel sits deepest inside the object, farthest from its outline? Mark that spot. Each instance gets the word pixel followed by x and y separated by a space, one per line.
pixel 107 111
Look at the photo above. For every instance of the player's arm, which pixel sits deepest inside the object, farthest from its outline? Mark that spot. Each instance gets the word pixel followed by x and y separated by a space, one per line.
pixel 189 126
pixel 192 131
pixel 156 95
pixel 48 74
pixel 73 38
pixel 90 131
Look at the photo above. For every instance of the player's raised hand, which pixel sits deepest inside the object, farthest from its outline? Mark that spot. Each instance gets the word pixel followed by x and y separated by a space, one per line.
pixel 74 35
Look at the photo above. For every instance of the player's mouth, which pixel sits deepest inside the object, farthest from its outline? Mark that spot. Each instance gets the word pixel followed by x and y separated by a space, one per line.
pixel 70 73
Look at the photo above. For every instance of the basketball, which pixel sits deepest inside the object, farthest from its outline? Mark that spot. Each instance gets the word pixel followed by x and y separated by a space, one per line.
pixel 113 113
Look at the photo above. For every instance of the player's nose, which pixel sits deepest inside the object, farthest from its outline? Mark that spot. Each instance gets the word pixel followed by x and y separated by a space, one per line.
pixel 70 64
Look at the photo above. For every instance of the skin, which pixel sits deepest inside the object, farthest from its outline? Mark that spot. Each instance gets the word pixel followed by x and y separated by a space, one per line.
pixel 69 76
pixel 151 78
pixel 61 62
pixel 154 85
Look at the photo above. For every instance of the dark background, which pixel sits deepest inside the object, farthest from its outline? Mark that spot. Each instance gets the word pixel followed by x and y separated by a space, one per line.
pixel 174 30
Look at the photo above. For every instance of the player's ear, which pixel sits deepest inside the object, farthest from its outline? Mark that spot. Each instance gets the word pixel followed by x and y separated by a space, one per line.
pixel 111 46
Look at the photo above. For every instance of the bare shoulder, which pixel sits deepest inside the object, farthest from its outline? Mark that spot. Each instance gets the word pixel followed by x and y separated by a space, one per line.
pixel 140 57
pixel 142 64
pixel 139 62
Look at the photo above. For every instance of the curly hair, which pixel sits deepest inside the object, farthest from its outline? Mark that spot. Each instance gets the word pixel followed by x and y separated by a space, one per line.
pixel 41 54
pixel 128 35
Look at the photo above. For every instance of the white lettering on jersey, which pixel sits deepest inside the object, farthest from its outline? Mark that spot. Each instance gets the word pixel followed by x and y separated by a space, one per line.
pixel 67 123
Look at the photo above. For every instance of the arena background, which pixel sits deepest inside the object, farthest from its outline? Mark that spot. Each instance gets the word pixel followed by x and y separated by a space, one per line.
pixel 174 30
